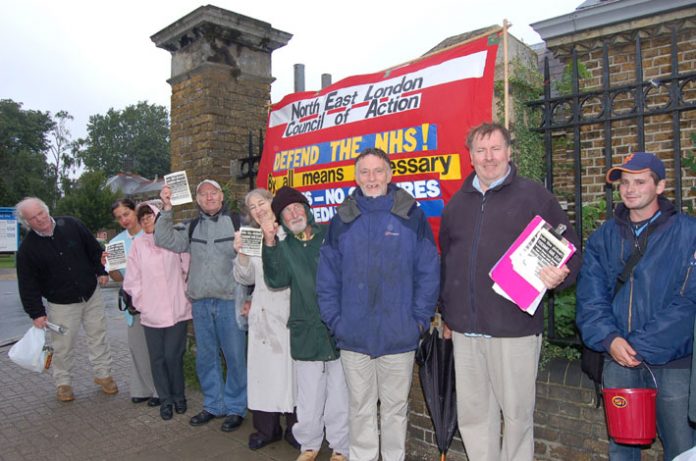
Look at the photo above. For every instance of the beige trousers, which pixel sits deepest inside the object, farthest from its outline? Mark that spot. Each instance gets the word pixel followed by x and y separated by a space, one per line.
pixel 89 314
pixel 387 379
pixel 496 375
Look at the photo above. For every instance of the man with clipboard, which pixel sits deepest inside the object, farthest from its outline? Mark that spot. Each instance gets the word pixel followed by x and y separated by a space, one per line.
pixel 496 345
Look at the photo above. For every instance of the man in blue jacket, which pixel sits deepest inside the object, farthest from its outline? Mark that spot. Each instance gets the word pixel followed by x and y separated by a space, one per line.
pixel 377 285
pixel 645 316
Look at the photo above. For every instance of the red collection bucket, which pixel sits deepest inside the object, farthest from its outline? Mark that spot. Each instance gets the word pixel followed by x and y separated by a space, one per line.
pixel 631 414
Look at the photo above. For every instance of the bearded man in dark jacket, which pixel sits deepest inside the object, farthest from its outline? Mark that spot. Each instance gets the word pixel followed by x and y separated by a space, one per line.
pixel 322 396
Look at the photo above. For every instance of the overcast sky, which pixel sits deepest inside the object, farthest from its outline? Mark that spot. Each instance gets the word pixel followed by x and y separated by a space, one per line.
pixel 88 56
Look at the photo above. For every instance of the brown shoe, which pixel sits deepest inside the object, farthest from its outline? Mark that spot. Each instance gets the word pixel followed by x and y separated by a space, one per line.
pixel 108 385
pixel 336 456
pixel 308 455
pixel 65 393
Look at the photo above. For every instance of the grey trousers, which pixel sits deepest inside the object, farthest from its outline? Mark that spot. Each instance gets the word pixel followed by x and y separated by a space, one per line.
pixel 140 379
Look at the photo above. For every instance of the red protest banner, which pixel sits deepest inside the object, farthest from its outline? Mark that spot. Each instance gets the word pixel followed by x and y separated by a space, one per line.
pixel 418 113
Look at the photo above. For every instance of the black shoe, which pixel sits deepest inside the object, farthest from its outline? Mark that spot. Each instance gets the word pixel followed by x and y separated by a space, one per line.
pixel 153 402
pixel 166 412
pixel 231 423
pixel 139 399
pixel 202 418
pixel 180 407
pixel 256 440
pixel 291 439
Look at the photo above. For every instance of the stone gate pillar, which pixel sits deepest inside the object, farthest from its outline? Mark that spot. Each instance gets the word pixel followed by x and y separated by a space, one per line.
pixel 221 83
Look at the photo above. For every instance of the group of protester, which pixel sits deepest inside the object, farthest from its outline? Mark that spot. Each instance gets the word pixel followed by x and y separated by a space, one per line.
pixel 336 311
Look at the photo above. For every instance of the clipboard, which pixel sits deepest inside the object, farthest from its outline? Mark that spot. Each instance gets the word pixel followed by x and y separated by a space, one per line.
pixel 517 283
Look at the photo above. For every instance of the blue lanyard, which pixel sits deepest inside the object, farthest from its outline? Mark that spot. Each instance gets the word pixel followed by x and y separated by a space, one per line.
pixel 639 230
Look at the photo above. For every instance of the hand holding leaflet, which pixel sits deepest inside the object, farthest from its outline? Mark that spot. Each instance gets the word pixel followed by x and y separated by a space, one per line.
pixel 179 185
pixel 116 255
pixel 516 274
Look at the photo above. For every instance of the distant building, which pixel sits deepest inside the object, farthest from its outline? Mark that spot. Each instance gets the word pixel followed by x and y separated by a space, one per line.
pixel 135 186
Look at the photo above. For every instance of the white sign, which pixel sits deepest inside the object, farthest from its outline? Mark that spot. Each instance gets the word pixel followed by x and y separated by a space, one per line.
pixel 8 234
pixel 116 255
pixel 252 240
pixel 179 185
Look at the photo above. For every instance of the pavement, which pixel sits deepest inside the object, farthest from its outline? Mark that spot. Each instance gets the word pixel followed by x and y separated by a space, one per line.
pixel 35 426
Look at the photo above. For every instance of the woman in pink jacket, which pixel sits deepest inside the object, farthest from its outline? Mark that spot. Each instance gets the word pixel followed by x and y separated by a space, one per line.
pixel 156 280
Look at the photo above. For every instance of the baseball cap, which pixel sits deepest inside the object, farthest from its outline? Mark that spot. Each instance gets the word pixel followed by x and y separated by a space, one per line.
pixel 638 162
pixel 212 182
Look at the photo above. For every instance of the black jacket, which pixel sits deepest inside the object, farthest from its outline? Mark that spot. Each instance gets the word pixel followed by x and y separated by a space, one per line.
pixel 475 231
pixel 62 268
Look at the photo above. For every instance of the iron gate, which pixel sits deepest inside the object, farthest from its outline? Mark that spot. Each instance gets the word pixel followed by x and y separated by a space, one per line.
pixel 669 95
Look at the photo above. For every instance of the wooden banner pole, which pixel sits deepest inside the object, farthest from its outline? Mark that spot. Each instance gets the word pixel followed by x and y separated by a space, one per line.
pixel 506 101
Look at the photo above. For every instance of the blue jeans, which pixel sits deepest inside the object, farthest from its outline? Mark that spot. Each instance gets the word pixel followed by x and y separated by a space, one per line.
pixel 673 426
pixel 215 325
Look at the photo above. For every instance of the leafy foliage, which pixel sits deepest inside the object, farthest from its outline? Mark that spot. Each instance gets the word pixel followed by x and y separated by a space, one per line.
pixel 525 84
pixel 135 139
pixel 23 142
pixel 564 302
pixel 565 84
pixel 555 351
pixel 90 201
pixel 689 162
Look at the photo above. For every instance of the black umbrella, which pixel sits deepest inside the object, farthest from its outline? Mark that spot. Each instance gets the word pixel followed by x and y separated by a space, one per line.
pixel 436 360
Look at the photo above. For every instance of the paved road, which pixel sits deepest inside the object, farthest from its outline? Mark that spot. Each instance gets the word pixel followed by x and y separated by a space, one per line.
pixel 15 321
pixel 34 426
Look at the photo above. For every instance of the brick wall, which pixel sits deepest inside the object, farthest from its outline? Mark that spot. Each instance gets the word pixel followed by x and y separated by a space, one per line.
pixel 658 133
pixel 221 83
pixel 567 425
pixel 212 114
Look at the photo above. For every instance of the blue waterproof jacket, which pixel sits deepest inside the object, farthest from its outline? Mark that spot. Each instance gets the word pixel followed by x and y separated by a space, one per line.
pixel 655 309
pixel 379 274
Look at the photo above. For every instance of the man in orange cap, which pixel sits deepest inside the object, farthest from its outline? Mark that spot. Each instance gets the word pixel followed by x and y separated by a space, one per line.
pixel 636 298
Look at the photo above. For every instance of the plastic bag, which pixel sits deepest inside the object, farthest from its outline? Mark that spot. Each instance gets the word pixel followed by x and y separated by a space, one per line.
pixel 688 455
pixel 29 352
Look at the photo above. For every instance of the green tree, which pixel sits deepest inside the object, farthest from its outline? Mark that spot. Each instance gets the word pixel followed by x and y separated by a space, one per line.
pixel 61 155
pixel 135 139
pixel 23 144
pixel 90 201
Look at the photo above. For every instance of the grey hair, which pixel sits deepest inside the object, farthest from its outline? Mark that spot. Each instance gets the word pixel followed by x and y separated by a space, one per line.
pixel 263 193
pixel 26 200
pixel 379 153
